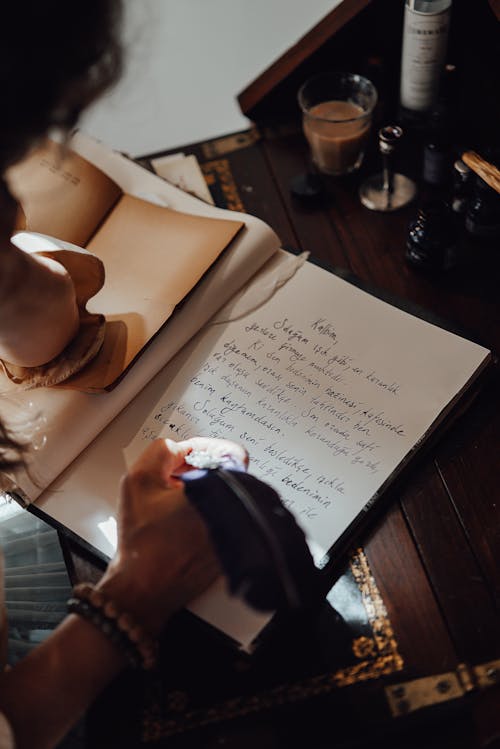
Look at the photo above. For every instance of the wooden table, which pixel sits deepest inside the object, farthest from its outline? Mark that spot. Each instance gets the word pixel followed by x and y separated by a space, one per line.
pixel 427 574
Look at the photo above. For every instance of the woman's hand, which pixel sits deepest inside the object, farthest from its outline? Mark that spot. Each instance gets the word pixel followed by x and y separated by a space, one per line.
pixel 164 557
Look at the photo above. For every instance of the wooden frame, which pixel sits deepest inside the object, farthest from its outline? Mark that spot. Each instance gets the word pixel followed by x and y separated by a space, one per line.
pixel 299 52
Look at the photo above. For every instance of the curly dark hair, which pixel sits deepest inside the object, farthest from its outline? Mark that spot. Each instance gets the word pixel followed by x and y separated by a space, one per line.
pixel 55 59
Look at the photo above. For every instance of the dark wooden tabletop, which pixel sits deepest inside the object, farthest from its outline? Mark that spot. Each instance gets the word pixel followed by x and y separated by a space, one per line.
pixel 426 574
pixel 413 658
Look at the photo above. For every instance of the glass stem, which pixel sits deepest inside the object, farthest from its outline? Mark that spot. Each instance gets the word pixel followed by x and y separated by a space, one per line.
pixel 387 181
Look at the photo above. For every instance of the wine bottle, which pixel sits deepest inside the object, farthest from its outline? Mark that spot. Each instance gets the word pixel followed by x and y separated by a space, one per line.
pixel 439 135
pixel 425 36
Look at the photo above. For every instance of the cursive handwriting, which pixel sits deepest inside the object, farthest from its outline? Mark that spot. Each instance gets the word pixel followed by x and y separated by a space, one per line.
pixel 307 408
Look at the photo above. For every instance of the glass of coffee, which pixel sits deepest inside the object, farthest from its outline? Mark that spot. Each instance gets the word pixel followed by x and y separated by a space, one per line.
pixel 337 113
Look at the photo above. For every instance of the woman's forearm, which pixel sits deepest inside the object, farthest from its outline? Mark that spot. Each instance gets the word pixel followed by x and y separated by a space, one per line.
pixel 38 310
pixel 49 690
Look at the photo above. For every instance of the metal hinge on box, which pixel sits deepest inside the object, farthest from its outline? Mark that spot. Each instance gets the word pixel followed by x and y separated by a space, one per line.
pixel 218 147
pixel 409 696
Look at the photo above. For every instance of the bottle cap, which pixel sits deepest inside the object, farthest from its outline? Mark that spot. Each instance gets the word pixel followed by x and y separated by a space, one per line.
pixel 462 168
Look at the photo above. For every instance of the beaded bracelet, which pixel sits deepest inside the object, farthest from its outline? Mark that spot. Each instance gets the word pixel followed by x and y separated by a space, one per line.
pixel 91 604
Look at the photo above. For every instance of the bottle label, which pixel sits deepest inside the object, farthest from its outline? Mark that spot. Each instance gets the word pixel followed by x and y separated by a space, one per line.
pixel 424 49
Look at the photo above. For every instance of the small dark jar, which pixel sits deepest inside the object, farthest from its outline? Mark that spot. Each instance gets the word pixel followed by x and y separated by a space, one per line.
pixel 482 217
pixel 431 244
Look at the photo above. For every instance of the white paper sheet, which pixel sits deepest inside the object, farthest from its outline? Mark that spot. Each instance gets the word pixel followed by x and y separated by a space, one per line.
pixel 328 388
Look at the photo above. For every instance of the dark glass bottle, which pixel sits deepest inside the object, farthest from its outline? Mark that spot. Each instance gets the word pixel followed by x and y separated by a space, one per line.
pixel 439 140
pixel 437 154
pixel 431 244
pixel 462 188
pixel 461 191
pixel 482 217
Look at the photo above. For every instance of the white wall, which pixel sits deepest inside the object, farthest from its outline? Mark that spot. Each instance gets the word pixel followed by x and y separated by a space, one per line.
pixel 187 61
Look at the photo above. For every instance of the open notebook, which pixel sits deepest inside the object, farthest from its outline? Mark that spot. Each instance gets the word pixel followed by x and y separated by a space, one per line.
pixel 153 255
pixel 330 389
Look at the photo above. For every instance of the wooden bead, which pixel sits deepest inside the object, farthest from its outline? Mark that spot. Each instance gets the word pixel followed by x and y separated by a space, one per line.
pixel 118 626
pixel 124 622
pixel 111 610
